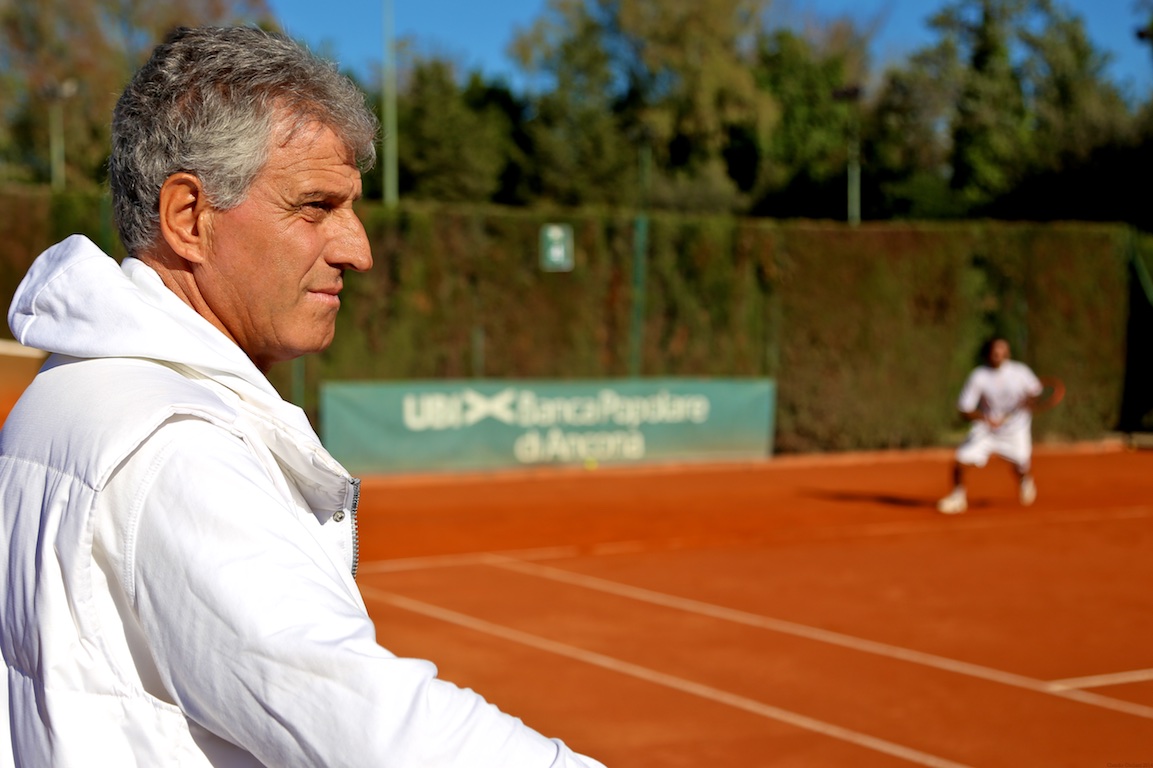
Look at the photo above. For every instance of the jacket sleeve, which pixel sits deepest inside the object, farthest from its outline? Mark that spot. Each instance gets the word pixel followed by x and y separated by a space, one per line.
pixel 260 641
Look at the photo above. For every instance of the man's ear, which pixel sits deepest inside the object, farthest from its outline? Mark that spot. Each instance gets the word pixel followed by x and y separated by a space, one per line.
pixel 184 215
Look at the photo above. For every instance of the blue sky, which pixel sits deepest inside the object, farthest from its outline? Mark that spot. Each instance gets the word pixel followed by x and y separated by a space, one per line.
pixel 476 34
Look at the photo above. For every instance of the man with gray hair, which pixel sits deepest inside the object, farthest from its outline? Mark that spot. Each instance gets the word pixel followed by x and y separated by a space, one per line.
pixel 179 549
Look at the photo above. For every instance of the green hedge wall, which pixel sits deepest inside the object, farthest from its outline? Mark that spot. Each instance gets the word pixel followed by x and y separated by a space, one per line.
pixel 24 232
pixel 1137 401
pixel 869 331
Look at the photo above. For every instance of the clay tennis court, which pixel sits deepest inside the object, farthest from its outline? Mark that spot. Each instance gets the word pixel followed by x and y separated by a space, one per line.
pixel 796 612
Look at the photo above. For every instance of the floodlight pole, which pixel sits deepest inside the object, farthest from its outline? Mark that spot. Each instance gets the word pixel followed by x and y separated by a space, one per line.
pixel 388 109
pixel 56 142
pixel 57 95
pixel 854 171
pixel 852 94
pixel 640 260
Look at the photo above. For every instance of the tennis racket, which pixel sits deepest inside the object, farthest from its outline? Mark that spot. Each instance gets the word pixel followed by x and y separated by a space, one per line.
pixel 1052 393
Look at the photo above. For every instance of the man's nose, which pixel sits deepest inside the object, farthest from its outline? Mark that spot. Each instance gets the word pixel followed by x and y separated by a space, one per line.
pixel 352 250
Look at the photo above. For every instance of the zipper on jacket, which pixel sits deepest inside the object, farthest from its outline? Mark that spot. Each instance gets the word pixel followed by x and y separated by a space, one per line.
pixel 353 503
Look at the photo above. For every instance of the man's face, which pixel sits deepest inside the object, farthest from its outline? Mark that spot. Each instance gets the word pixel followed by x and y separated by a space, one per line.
pixel 276 262
pixel 998 353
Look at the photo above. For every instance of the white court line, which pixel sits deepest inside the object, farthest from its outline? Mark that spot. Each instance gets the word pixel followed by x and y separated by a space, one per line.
pixel 1100 681
pixel 902 528
pixel 467 558
pixel 660 678
pixel 820 635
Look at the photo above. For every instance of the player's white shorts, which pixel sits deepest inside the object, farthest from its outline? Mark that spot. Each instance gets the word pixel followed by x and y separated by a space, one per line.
pixel 1014 445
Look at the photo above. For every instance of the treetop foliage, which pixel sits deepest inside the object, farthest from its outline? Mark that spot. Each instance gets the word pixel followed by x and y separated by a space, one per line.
pixel 705 105
pixel 82 53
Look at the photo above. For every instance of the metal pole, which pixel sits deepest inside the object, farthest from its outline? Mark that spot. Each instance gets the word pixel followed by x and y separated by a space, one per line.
pixel 640 266
pixel 640 270
pixel 56 139
pixel 388 108
pixel 855 174
pixel 851 94
pixel 57 94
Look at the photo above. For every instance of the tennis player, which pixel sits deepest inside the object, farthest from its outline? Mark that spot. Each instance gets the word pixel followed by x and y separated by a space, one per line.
pixel 177 564
pixel 997 398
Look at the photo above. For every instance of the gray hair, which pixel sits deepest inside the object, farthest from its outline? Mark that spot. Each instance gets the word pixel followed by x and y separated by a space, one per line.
pixel 206 103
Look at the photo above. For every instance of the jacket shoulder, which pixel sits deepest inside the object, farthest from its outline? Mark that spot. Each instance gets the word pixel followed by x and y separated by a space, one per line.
pixel 83 417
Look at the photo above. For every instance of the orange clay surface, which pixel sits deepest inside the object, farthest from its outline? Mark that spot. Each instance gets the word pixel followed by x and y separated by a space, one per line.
pixel 796 612
pixel 16 372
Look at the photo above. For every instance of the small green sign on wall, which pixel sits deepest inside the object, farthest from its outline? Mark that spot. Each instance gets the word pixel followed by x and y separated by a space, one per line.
pixel 556 248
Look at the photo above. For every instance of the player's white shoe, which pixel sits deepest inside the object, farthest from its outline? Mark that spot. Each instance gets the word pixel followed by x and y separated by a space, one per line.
pixel 1028 491
pixel 953 504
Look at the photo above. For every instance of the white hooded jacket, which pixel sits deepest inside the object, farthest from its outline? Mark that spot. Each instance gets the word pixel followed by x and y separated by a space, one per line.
pixel 178 559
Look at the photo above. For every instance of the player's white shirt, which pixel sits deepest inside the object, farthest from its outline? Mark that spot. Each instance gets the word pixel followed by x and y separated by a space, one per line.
pixel 999 393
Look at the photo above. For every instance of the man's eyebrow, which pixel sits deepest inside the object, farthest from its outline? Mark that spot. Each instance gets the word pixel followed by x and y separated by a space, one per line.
pixel 328 194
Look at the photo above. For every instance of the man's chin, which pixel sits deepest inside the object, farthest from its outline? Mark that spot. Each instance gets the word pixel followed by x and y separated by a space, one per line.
pixel 292 352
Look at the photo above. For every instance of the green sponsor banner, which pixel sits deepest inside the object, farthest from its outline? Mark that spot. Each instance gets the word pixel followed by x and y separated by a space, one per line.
pixel 421 426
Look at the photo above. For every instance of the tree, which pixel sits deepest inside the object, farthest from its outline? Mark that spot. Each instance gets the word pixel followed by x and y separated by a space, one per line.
pixel 804 159
pixel 907 140
pixel 1086 143
pixel 1075 108
pixel 581 151
pixel 82 52
pixel 690 66
pixel 675 73
pixel 450 152
pixel 1144 9
pixel 511 111
pixel 1009 114
pixel 990 129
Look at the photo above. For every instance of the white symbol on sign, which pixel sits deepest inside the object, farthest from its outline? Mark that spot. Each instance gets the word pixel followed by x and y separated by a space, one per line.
pixel 556 244
pixel 478 407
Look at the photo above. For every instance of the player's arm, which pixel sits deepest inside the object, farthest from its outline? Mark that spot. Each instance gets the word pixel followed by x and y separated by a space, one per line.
pixel 969 402
pixel 260 639
pixel 980 415
pixel 1033 389
pixel 1034 395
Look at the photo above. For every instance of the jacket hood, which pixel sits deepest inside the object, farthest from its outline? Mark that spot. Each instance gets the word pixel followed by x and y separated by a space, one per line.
pixel 77 301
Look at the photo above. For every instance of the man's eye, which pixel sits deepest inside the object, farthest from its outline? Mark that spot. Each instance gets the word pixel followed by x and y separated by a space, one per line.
pixel 315 209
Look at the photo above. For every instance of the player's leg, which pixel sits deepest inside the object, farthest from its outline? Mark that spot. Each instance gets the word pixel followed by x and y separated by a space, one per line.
pixel 1017 449
pixel 1026 487
pixel 956 502
pixel 974 452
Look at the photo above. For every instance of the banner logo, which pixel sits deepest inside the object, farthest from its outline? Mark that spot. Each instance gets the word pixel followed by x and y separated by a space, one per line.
pixel 526 409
